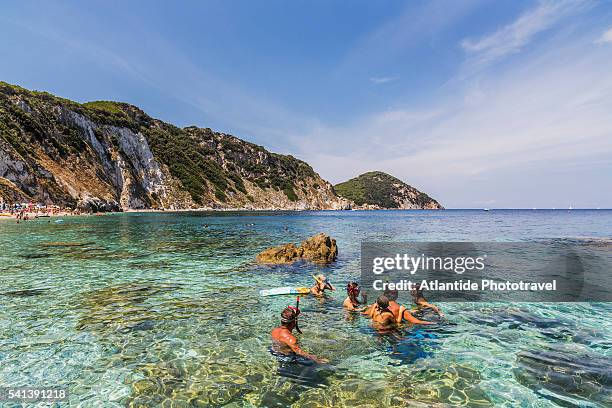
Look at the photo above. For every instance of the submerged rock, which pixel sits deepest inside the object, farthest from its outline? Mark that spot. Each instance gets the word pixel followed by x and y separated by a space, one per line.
pixel 320 248
pixel 515 318
pixel 122 308
pixel 567 376
pixel 24 292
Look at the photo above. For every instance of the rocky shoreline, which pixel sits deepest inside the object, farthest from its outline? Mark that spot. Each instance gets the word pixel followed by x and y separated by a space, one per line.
pixel 32 216
pixel 108 156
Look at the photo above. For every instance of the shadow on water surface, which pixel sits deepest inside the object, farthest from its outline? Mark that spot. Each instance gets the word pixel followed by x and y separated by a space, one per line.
pixel 301 370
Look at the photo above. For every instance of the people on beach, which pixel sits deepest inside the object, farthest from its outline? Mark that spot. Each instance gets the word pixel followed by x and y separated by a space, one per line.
pixel 321 285
pixel 31 211
pixel 352 302
pixel 284 341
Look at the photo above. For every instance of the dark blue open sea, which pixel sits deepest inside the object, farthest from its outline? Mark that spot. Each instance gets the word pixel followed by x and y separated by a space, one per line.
pixel 145 309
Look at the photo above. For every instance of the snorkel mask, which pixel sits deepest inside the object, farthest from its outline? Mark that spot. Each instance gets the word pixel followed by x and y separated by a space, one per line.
pixel 322 280
pixel 353 289
pixel 290 317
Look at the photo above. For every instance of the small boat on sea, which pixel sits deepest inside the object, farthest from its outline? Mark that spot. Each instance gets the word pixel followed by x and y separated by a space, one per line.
pixel 486 209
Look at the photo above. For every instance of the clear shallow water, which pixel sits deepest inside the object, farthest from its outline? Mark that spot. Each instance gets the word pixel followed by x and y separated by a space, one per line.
pixel 145 309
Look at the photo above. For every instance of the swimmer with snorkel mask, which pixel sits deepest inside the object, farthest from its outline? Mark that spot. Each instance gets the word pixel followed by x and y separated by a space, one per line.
pixel 321 284
pixel 283 339
pixel 352 301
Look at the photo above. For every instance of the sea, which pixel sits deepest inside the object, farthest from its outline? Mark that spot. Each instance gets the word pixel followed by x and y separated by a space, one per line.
pixel 163 309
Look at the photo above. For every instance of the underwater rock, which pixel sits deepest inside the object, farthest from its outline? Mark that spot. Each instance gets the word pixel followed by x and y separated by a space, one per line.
pixel 567 376
pixel 437 384
pixel 271 399
pixel 515 319
pixel 65 244
pixel 454 385
pixel 120 308
pixel 24 292
pixel 141 326
pixel 34 255
pixel 319 248
pixel 190 383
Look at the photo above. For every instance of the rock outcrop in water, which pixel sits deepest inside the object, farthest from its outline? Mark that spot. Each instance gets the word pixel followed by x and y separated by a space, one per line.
pixel 377 190
pixel 320 248
pixel 105 156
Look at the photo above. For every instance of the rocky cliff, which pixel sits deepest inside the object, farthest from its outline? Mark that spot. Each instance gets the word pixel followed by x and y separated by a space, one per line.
pixel 105 156
pixel 378 190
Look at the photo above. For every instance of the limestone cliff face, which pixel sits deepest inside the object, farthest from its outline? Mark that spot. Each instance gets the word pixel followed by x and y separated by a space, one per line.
pixel 377 190
pixel 106 156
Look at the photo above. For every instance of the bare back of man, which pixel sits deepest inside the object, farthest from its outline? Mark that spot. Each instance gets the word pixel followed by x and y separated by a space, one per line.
pixel 400 312
pixel 283 340
pixel 382 317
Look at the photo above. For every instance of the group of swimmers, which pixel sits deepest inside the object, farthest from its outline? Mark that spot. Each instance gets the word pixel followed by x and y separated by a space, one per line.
pixel 385 314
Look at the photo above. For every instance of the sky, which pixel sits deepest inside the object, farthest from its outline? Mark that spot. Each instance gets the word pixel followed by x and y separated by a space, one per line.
pixel 500 104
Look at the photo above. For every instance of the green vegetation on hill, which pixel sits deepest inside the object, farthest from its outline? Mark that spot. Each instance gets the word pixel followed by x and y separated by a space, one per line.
pixel 208 164
pixel 107 106
pixel 383 190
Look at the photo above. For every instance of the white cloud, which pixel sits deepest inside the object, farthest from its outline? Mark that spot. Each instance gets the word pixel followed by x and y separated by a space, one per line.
pixel 547 115
pixel 606 37
pixel 513 37
pixel 382 80
pixel 415 24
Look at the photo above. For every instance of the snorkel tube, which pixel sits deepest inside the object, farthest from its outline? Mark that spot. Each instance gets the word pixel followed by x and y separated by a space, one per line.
pixel 353 290
pixel 297 307
pixel 327 284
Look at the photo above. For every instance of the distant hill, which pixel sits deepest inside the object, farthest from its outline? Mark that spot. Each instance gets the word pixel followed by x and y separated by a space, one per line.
pixel 376 189
pixel 103 156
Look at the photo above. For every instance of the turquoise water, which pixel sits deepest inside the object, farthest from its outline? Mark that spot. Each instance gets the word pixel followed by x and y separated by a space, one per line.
pixel 156 310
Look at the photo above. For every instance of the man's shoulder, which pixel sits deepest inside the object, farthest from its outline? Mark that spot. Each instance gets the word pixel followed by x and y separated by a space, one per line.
pixel 282 334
